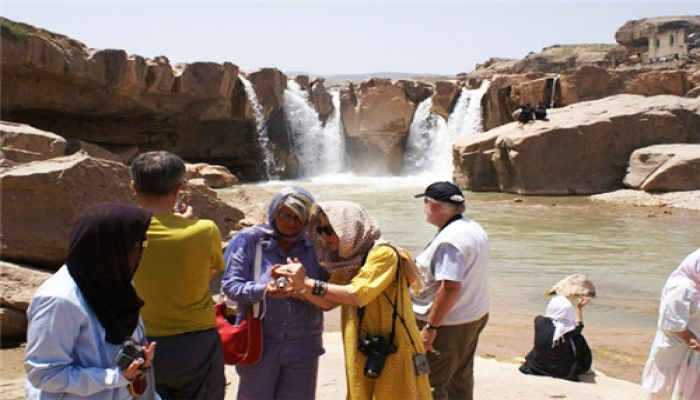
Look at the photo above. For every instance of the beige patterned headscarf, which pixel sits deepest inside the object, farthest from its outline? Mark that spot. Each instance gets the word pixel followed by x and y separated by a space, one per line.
pixel 357 230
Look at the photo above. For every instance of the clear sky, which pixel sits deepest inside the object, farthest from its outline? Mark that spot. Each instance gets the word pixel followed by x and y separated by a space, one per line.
pixel 338 37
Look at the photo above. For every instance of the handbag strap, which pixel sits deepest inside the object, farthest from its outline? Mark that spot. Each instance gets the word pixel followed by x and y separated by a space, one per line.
pixel 257 268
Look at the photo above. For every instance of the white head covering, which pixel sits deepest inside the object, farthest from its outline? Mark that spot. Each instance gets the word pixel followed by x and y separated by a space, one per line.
pixel 689 268
pixel 561 311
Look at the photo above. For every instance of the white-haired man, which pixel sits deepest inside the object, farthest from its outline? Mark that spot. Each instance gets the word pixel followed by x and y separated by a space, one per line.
pixel 452 309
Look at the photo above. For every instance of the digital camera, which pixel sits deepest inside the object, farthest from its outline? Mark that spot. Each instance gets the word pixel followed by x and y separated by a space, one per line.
pixel 129 352
pixel 282 283
pixel 376 348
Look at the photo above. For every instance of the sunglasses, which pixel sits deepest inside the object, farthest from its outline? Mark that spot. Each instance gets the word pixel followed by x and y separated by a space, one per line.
pixel 324 229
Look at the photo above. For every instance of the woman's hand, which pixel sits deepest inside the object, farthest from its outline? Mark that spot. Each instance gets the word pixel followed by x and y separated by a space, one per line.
pixel 274 291
pixel 693 343
pixel 294 271
pixel 688 338
pixel 582 301
pixel 139 365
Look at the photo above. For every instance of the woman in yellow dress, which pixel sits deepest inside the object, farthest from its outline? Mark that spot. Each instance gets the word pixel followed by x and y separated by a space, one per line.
pixel 384 354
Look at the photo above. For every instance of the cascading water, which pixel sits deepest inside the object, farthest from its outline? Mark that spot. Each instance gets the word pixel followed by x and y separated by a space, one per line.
pixel 320 150
pixel 553 91
pixel 263 137
pixel 422 134
pixel 430 139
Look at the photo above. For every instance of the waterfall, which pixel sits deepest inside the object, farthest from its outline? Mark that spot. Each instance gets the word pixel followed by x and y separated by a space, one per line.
pixel 263 137
pixel 430 139
pixel 320 150
pixel 554 90
pixel 424 129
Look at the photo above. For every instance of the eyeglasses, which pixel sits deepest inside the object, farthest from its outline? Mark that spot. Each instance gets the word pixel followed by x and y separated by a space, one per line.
pixel 324 229
pixel 289 217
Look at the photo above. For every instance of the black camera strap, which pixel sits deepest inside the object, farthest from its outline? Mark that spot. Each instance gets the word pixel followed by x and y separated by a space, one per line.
pixel 393 305
pixel 361 310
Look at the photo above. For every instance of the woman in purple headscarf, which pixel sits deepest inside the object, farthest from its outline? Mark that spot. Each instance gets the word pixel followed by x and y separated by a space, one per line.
pixel 292 327
pixel 80 318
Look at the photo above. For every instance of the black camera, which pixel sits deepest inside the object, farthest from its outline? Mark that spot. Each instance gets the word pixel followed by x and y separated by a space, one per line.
pixel 376 348
pixel 129 352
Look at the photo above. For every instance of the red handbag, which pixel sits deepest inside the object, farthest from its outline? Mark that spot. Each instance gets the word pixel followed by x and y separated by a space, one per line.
pixel 242 343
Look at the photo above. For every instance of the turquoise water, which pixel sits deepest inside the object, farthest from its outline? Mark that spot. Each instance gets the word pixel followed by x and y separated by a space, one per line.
pixel 536 241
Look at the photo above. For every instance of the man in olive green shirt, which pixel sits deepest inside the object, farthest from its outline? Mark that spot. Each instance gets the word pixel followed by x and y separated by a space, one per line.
pixel 180 259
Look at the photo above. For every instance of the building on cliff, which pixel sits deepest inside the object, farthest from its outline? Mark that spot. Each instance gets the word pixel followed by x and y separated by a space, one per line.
pixel 660 39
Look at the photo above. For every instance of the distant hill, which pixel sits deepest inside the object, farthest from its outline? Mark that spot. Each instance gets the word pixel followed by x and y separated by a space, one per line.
pixel 340 78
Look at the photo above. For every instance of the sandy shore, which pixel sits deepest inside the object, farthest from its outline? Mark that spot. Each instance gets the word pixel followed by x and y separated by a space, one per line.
pixel 495 380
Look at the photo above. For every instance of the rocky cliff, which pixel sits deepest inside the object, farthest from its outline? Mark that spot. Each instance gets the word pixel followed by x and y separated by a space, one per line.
pixel 584 148
pixel 201 111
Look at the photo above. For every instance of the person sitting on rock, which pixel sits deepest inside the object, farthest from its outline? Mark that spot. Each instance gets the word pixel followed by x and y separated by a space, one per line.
pixel 560 350
pixel 541 112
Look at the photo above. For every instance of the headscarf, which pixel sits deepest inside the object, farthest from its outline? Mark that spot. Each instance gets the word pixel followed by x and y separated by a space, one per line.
pixel 561 311
pixel 689 268
pixel 357 230
pixel 98 260
pixel 270 228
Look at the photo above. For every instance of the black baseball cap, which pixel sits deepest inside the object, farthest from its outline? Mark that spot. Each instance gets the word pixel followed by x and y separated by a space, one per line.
pixel 443 191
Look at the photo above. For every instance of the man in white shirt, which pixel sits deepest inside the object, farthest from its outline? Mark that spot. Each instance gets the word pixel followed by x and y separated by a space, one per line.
pixel 452 309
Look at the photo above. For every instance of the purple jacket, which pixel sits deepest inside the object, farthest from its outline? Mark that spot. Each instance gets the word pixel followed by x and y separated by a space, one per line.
pixel 292 329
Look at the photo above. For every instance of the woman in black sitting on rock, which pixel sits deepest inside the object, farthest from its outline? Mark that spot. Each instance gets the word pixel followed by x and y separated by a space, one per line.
pixel 560 350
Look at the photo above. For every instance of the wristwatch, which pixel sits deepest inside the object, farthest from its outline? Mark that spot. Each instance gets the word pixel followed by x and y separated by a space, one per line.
pixel 428 326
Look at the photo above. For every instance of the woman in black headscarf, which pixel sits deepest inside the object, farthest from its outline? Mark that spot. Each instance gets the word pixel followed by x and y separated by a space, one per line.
pixel 80 318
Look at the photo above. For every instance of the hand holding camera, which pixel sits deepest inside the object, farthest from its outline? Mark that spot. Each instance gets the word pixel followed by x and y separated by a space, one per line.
pixel 291 275
pixel 183 209
pixel 134 359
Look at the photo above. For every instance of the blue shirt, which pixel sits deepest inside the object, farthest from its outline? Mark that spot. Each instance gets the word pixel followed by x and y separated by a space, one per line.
pixel 292 329
pixel 67 356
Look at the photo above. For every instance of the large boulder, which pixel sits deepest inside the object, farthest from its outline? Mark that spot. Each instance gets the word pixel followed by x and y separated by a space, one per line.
pixel 535 91
pixel 321 99
pixel 501 99
pixel 376 117
pixel 207 205
pixel 18 284
pixel 23 143
pixel 92 150
pixel 254 201
pixel 415 90
pixel 269 85
pixel 214 176
pixel 583 149
pixel 444 97
pixel 41 200
pixel 587 83
pixel 17 287
pixel 665 167
pixel 661 82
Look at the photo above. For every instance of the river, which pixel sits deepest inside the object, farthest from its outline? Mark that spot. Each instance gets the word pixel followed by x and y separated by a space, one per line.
pixel 536 241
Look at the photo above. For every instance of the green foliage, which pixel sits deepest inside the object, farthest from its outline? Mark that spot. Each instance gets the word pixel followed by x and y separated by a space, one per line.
pixel 12 30
pixel 556 70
